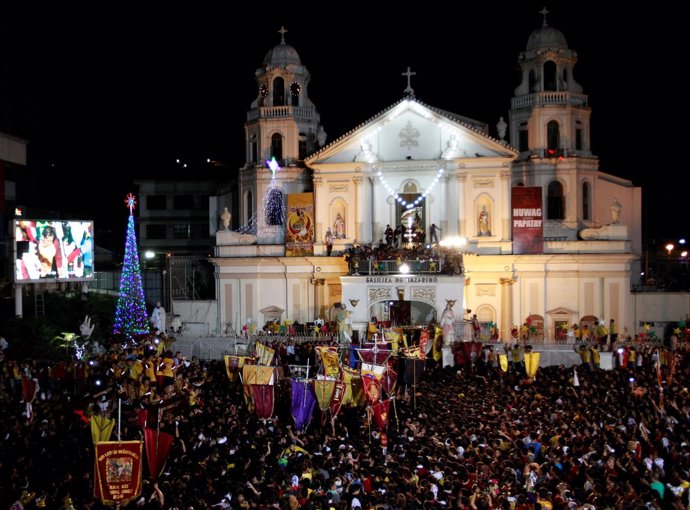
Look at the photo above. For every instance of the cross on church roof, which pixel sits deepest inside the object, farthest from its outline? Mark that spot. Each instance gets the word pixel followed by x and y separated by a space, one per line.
pixel 409 91
pixel 283 31
pixel 544 12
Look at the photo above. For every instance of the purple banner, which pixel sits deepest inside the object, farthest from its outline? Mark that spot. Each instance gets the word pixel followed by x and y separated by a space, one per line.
pixel 303 402
pixel 527 220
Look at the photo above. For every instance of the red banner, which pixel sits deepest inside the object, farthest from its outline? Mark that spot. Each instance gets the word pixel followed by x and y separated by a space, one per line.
pixel 262 396
pixel 117 476
pixel 157 449
pixel 372 388
pixel 527 220
pixel 381 414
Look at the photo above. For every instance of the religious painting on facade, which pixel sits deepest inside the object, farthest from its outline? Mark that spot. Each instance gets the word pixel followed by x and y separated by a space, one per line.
pixel 299 231
pixel 527 220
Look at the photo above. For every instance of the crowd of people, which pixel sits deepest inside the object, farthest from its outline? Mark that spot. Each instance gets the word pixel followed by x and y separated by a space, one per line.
pixel 466 437
pixel 367 259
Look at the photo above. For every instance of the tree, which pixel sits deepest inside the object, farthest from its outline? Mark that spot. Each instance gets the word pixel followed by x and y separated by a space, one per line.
pixel 130 314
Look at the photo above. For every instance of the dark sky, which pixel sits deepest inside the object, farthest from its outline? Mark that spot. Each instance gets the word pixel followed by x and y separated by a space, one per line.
pixel 121 93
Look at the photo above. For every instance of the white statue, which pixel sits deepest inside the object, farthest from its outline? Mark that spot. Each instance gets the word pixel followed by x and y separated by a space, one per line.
pixel 501 128
pixel 225 217
pixel 616 208
pixel 158 318
pixel 448 323
pixel 86 329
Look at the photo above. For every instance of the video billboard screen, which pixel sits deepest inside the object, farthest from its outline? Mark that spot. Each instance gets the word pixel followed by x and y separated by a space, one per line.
pixel 57 250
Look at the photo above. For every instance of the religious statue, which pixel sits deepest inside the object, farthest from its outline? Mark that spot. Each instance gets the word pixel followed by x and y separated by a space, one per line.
pixel 501 128
pixel 616 208
pixel 158 318
pixel 452 149
pixel 339 227
pixel 484 229
pixel 225 217
pixel 366 153
pixel 448 323
pixel 344 324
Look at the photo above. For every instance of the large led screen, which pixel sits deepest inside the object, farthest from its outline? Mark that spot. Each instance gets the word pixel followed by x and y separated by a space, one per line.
pixel 57 250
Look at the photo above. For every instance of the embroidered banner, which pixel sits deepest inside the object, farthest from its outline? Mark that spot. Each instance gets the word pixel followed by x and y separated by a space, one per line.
pixel 117 477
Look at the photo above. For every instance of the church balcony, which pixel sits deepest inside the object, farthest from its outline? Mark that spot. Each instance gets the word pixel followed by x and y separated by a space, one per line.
pixel 277 112
pixel 395 267
pixel 549 97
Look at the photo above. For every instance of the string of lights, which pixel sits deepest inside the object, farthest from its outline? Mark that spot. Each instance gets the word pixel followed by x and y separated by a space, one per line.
pixel 272 210
pixel 401 200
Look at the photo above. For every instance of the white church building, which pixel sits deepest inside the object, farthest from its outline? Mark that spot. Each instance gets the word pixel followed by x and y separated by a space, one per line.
pixel 544 234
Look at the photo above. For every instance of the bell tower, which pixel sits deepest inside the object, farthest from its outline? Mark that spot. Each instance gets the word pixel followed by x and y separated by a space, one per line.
pixel 550 127
pixel 282 123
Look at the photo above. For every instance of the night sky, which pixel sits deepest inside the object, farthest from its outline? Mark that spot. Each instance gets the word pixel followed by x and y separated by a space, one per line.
pixel 124 94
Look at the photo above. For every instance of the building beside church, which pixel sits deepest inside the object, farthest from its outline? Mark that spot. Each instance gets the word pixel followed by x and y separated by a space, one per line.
pixel 546 237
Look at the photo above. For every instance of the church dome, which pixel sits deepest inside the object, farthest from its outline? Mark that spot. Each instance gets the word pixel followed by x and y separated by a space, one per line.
pixel 546 37
pixel 282 55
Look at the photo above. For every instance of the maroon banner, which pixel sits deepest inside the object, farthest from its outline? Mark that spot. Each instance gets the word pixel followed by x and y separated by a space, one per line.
pixel 117 477
pixel 262 396
pixel 337 400
pixel 372 388
pixel 527 220
pixel 157 449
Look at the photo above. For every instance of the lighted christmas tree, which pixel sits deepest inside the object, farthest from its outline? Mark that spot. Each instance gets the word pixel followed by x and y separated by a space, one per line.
pixel 130 315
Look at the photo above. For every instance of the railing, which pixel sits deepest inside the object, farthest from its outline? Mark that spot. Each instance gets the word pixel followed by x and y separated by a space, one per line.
pixel 380 267
pixel 549 97
pixel 272 112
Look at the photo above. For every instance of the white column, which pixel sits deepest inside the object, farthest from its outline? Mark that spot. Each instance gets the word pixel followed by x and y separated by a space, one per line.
pixel 506 318
pixel 359 209
pixel 377 224
pixel 506 206
pixel 460 180
pixel 442 216
pixel 319 215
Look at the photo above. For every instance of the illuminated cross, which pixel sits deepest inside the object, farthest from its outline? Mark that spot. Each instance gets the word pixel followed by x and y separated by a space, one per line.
pixel 283 31
pixel 410 232
pixel 130 202
pixel 273 166
pixel 544 12
pixel 409 90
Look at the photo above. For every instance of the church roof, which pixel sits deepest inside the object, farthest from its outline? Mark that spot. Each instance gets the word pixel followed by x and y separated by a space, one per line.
pixel 546 37
pixel 281 55
pixel 479 128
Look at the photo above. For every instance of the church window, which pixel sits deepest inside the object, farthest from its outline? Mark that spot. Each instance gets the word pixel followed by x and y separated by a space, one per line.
pixel 523 140
pixel 585 200
pixel 302 147
pixel 248 204
pixel 578 136
pixel 278 92
pixel 555 201
pixel 550 81
pixel 277 147
pixel 565 78
pixel 553 137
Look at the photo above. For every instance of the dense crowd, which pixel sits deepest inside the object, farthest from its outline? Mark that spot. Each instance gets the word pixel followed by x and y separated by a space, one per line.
pixel 466 437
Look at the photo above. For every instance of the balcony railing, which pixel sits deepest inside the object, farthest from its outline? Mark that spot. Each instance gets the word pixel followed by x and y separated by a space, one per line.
pixel 384 267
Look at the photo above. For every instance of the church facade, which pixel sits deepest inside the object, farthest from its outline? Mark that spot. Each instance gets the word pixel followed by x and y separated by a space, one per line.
pixel 545 237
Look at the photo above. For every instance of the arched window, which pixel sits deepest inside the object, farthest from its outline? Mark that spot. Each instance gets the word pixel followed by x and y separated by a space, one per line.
pixel 585 200
pixel 277 147
pixel 553 137
pixel 532 81
pixel 278 92
pixel 550 76
pixel 555 201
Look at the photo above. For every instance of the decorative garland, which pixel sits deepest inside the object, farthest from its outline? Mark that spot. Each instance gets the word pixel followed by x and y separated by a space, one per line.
pixel 400 199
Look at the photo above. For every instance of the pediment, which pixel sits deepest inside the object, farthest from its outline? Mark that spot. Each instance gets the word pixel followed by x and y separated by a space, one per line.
pixel 410 130
pixel 560 311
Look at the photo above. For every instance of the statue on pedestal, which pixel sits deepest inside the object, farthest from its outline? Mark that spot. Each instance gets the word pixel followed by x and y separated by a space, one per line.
pixel 225 217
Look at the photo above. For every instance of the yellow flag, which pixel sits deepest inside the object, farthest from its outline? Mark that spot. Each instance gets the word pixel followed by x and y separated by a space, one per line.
pixel 532 363
pixel 101 428
pixel 503 362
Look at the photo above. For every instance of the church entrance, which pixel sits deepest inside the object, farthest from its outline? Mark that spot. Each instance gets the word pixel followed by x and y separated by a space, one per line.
pixel 411 220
